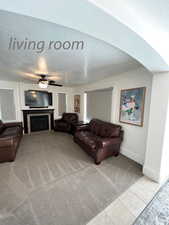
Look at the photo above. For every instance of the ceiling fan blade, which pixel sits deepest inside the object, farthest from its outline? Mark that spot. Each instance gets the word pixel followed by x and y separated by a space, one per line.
pixel 52 82
pixel 41 74
pixel 30 75
pixel 55 73
pixel 58 85
pixel 48 76
pixel 51 77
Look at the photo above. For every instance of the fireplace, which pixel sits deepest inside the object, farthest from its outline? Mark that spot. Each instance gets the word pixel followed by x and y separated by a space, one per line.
pixel 38 120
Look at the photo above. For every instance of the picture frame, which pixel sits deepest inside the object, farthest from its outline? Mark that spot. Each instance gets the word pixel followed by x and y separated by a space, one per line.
pixel 77 103
pixel 132 102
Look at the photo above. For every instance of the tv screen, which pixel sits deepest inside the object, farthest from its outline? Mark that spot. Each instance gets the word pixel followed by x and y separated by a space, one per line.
pixel 38 99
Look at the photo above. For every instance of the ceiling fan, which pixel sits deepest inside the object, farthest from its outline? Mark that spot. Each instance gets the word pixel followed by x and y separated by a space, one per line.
pixel 43 82
pixel 44 79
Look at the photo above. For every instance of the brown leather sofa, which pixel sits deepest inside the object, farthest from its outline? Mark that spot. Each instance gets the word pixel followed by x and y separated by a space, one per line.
pixel 10 137
pixel 66 122
pixel 99 139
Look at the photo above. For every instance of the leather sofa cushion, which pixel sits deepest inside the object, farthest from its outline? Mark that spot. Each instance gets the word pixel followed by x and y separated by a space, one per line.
pixel 88 139
pixel 110 131
pixel 11 131
pixel 95 126
pixel 62 124
pixel 104 129
pixel 1 127
pixel 70 117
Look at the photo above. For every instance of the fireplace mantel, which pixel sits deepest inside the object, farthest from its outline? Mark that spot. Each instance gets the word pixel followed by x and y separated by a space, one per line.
pixel 27 112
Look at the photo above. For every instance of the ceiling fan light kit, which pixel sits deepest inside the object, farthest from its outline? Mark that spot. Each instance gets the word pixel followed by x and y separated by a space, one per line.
pixel 43 83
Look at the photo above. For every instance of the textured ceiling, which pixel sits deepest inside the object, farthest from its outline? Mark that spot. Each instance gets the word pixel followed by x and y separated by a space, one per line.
pixel 97 60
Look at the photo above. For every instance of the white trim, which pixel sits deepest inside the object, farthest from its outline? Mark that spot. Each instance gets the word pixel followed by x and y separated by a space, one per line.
pixel 85 106
pixel 36 115
pixel 114 104
pixel 154 175
pixel 66 96
pixel 11 121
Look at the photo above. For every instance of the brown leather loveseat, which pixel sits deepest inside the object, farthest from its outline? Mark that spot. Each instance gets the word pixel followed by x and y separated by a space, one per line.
pixel 10 137
pixel 66 122
pixel 99 139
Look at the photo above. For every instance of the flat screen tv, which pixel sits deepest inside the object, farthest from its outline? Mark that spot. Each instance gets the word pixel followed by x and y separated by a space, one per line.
pixel 38 99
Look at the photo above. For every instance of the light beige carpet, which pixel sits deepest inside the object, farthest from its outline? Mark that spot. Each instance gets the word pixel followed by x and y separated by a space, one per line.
pixel 53 182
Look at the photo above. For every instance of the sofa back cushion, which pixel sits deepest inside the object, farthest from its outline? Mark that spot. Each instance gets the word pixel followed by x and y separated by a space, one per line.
pixel 95 126
pixel 1 126
pixel 70 117
pixel 104 129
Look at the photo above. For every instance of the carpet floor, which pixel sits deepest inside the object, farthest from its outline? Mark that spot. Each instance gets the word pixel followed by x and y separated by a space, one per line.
pixel 53 182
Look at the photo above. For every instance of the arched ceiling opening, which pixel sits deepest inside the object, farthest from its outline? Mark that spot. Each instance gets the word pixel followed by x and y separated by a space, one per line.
pixel 101 23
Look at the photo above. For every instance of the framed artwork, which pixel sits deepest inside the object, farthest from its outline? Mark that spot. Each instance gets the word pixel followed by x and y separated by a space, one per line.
pixel 77 103
pixel 132 106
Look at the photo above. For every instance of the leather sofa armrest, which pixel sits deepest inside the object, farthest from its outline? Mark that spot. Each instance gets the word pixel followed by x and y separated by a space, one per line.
pixel 82 128
pixel 58 120
pixel 13 124
pixel 106 142
pixel 6 141
pixel 74 123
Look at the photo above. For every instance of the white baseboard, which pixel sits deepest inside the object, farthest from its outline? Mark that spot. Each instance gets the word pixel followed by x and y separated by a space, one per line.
pixel 132 155
pixel 154 175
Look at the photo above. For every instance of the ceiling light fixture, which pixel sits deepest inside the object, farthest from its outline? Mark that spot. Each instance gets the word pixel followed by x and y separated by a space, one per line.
pixel 43 83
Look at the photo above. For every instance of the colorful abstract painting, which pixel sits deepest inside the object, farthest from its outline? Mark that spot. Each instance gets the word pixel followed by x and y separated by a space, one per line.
pixel 132 106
